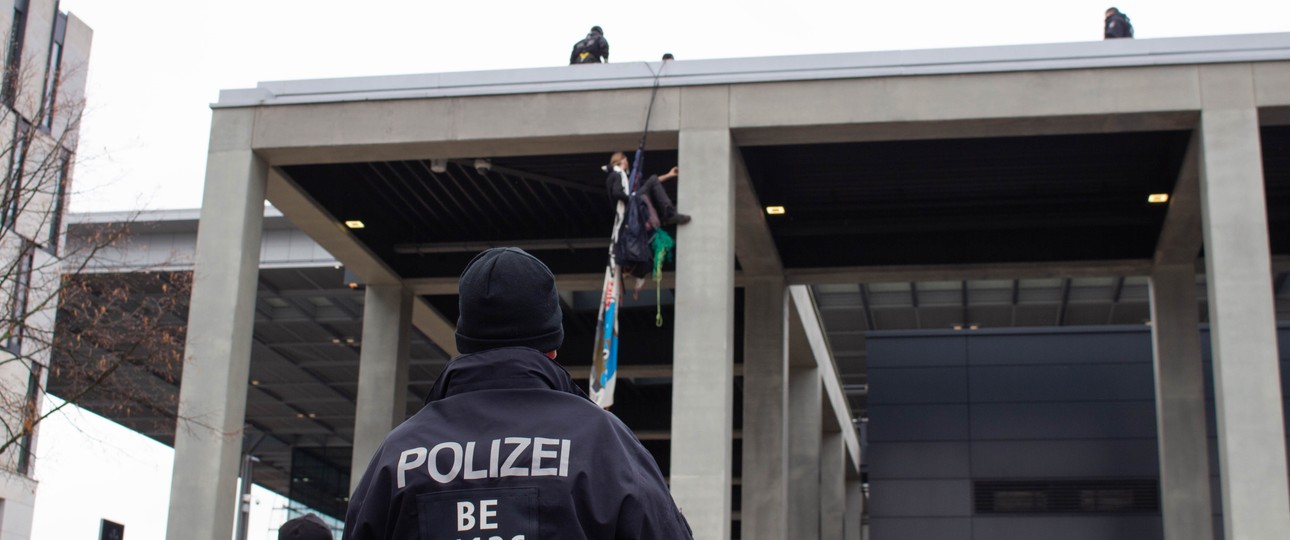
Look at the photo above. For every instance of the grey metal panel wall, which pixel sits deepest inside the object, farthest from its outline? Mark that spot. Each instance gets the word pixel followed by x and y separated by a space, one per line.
pixel 946 409
pixel 920 527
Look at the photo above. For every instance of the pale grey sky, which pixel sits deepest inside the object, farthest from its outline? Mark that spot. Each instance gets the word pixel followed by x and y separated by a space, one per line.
pixel 156 65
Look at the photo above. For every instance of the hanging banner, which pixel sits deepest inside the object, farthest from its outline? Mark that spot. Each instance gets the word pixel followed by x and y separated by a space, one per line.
pixel 604 369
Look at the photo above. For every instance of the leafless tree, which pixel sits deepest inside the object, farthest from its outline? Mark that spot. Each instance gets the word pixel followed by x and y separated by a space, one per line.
pixel 102 336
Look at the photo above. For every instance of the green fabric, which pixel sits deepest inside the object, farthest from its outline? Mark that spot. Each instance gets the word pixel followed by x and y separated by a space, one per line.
pixel 664 246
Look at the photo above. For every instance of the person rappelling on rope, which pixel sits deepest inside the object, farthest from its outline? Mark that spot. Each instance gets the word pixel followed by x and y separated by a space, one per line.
pixel 638 248
pixel 653 211
pixel 619 187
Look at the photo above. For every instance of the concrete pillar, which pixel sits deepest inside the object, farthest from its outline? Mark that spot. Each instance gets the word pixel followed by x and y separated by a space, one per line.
pixel 1180 404
pixel 765 427
pixel 382 371
pixel 804 432
pixel 851 528
pixel 212 398
pixel 703 346
pixel 833 488
pixel 1247 383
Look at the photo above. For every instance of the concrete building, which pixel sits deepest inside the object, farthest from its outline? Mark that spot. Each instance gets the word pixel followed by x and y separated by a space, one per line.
pixel 41 95
pixel 945 192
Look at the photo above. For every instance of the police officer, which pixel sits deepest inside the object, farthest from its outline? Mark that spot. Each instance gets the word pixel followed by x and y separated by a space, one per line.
pixel 507 446
pixel 1117 25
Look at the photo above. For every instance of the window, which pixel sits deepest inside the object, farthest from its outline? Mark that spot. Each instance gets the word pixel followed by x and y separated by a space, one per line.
pixel 13 62
pixel 31 409
pixel 54 74
pixel 18 298
pixel 13 182
pixel 60 203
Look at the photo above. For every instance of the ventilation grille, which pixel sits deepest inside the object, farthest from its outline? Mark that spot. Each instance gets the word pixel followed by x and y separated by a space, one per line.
pixel 1066 496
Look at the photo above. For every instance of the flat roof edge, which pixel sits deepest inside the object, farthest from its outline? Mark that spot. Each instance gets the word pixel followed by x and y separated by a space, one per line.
pixel 992 59
pixel 147 217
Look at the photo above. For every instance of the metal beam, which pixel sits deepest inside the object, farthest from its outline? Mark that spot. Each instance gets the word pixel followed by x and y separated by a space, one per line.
pixel 864 305
pixel 1115 299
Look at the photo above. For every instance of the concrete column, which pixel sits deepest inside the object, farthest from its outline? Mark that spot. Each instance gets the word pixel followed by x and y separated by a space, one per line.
pixel 851 528
pixel 703 343
pixel 833 488
pixel 1180 404
pixel 765 427
pixel 804 432
pixel 212 398
pixel 382 371
pixel 1247 387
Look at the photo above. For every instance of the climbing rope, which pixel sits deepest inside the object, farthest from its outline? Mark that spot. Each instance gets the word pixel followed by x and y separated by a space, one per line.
pixel 638 163
pixel 663 245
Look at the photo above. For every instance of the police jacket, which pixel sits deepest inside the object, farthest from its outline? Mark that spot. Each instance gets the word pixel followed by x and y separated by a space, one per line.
pixel 507 447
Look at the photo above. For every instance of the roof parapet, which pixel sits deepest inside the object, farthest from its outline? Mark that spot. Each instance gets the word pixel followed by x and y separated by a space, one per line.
pixel 992 59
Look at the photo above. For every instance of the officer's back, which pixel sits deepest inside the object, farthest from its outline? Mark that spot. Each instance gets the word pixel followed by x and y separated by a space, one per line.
pixel 507 446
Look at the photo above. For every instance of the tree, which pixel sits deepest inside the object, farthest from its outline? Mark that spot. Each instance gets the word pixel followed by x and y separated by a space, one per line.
pixel 105 337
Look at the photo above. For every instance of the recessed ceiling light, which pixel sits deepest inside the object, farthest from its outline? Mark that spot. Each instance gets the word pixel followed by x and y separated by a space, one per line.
pixel 354 224
pixel 1157 198
pixel 774 210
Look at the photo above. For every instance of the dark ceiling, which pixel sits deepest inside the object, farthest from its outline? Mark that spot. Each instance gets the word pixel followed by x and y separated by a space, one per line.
pixel 1275 145
pixel 960 201
pixel 948 201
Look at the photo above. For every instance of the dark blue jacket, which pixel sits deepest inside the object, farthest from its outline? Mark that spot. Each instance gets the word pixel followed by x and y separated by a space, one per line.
pixel 508 447
pixel 1118 26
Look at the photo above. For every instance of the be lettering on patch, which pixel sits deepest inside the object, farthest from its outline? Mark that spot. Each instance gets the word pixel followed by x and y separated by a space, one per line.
pixel 479 514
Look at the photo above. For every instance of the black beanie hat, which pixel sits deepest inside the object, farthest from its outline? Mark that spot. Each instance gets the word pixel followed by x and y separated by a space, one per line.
pixel 306 527
pixel 507 298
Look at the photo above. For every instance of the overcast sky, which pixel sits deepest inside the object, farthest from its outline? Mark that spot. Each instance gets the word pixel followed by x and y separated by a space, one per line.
pixel 156 65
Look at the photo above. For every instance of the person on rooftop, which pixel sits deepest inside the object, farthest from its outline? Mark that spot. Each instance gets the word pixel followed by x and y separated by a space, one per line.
pixel 1117 25
pixel 593 49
